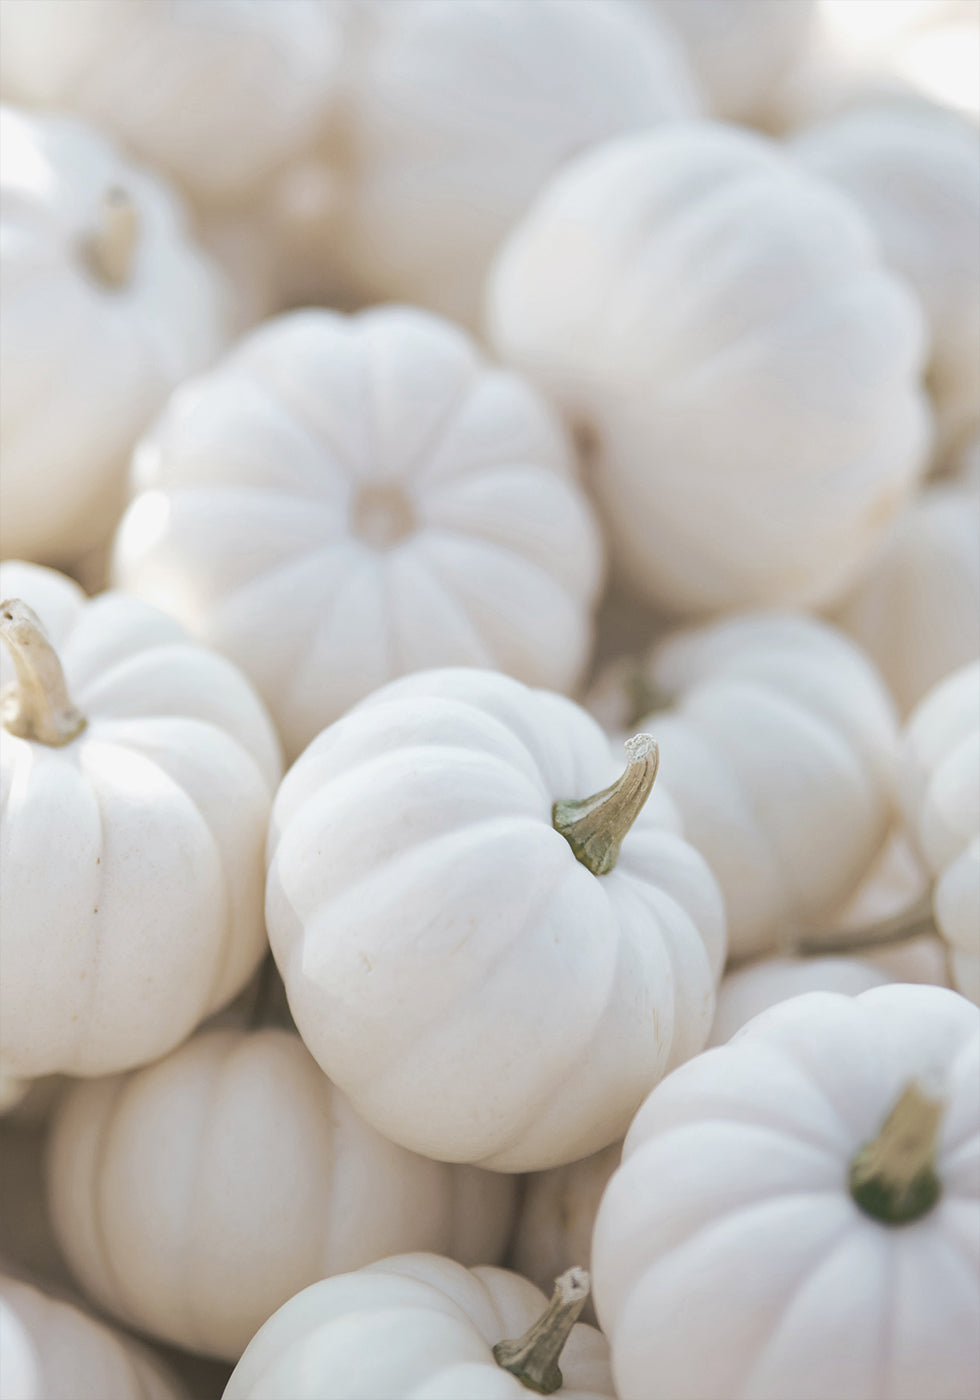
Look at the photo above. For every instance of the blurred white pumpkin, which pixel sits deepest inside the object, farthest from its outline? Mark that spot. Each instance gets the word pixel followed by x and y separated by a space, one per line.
pixel 458 112
pixel 719 324
pixel 914 170
pixel 216 95
pixel 194 1197
pixel 370 498
pixel 107 305
pixel 137 773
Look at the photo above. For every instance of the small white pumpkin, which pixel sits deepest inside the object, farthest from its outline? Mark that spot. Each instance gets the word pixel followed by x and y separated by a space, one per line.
pixel 194 1197
pixel 419 1327
pixel 939 786
pixel 719 324
pixel 50 1350
pixel 451 959
pixel 797 1211
pixel 370 498
pixel 217 95
pixel 459 112
pixel 779 751
pixel 913 169
pixel 107 305
pixel 137 771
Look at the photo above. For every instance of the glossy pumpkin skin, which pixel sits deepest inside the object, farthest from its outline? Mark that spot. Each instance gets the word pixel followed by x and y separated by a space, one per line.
pixel 53 1351
pixel 374 498
pixel 731 1216
pixel 720 326
pixel 131 857
pixel 479 994
pixel 413 1327
pixel 192 1198
pixel 939 775
pixel 779 749
pixel 106 355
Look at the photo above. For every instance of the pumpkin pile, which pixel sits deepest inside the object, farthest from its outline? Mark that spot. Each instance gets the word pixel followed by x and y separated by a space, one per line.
pixel 489 700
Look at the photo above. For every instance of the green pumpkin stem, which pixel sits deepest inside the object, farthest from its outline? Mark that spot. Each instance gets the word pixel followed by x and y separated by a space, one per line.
pixel 913 922
pixel 893 1177
pixel 36 705
pixel 533 1358
pixel 595 826
pixel 111 250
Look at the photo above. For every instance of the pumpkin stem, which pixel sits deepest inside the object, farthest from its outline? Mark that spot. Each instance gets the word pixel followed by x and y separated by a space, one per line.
pixel 36 705
pixel 595 826
pixel 893 1177
pixel 533 1358
pixel 909 923
pixel 111 249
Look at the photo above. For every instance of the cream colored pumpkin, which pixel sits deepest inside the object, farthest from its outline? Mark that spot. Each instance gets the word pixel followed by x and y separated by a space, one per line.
pixel 720 326
pixel 474 988
pixel 217 95
pixel 939 784
pixel 133 826
pixel 372 498
pixel 50 1350
pixel 107 305
pixel 775 1229
pixel 914 170
pixel 414 1327
pixel 779 751
pixel 459 112
pixel 194 1197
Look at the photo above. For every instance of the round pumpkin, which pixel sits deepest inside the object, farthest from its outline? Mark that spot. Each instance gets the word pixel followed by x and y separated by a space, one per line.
pixel 107 305
pixel 451 958
pixel 371 498
pixel 746 374
pixel 137 774
pixel 797 1210
pixel 193 1197
pixel 419 1327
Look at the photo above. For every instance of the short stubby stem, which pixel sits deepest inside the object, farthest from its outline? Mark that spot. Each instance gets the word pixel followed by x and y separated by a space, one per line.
pixel 893 1177
pixel 110 251
pixel 914 922
pixel 36 705
pixel 533 1358
pixel 595 826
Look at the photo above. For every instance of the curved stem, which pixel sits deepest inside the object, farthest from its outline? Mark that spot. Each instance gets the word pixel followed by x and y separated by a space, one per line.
pixel 893 1177
pixel 36 705
pixel 110 251
pixel 913 922
pixel 595 826
pixel 533 1358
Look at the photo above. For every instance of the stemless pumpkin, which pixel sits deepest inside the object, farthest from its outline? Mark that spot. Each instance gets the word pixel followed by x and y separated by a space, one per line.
pixel 419 1327
pixel 195 1196
pixel 137 774
pixel 797 1211
pixel 372 498
pixel 488 959
pixel 107 305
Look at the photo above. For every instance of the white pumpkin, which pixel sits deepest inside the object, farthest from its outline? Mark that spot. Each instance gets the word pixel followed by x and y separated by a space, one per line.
pixel 459 112
pixel 797 1212
pixel 720 326
pixel 217 95
pixel 779 751
pixel 418 1327
pixel 370 498
pixel 914 169
pixel 137 774
pixel 939 785
pixel 50 1350
pixel 739 49
pixel 194 1197
pixel 107 305
pixel 916 611
pixel 450 961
